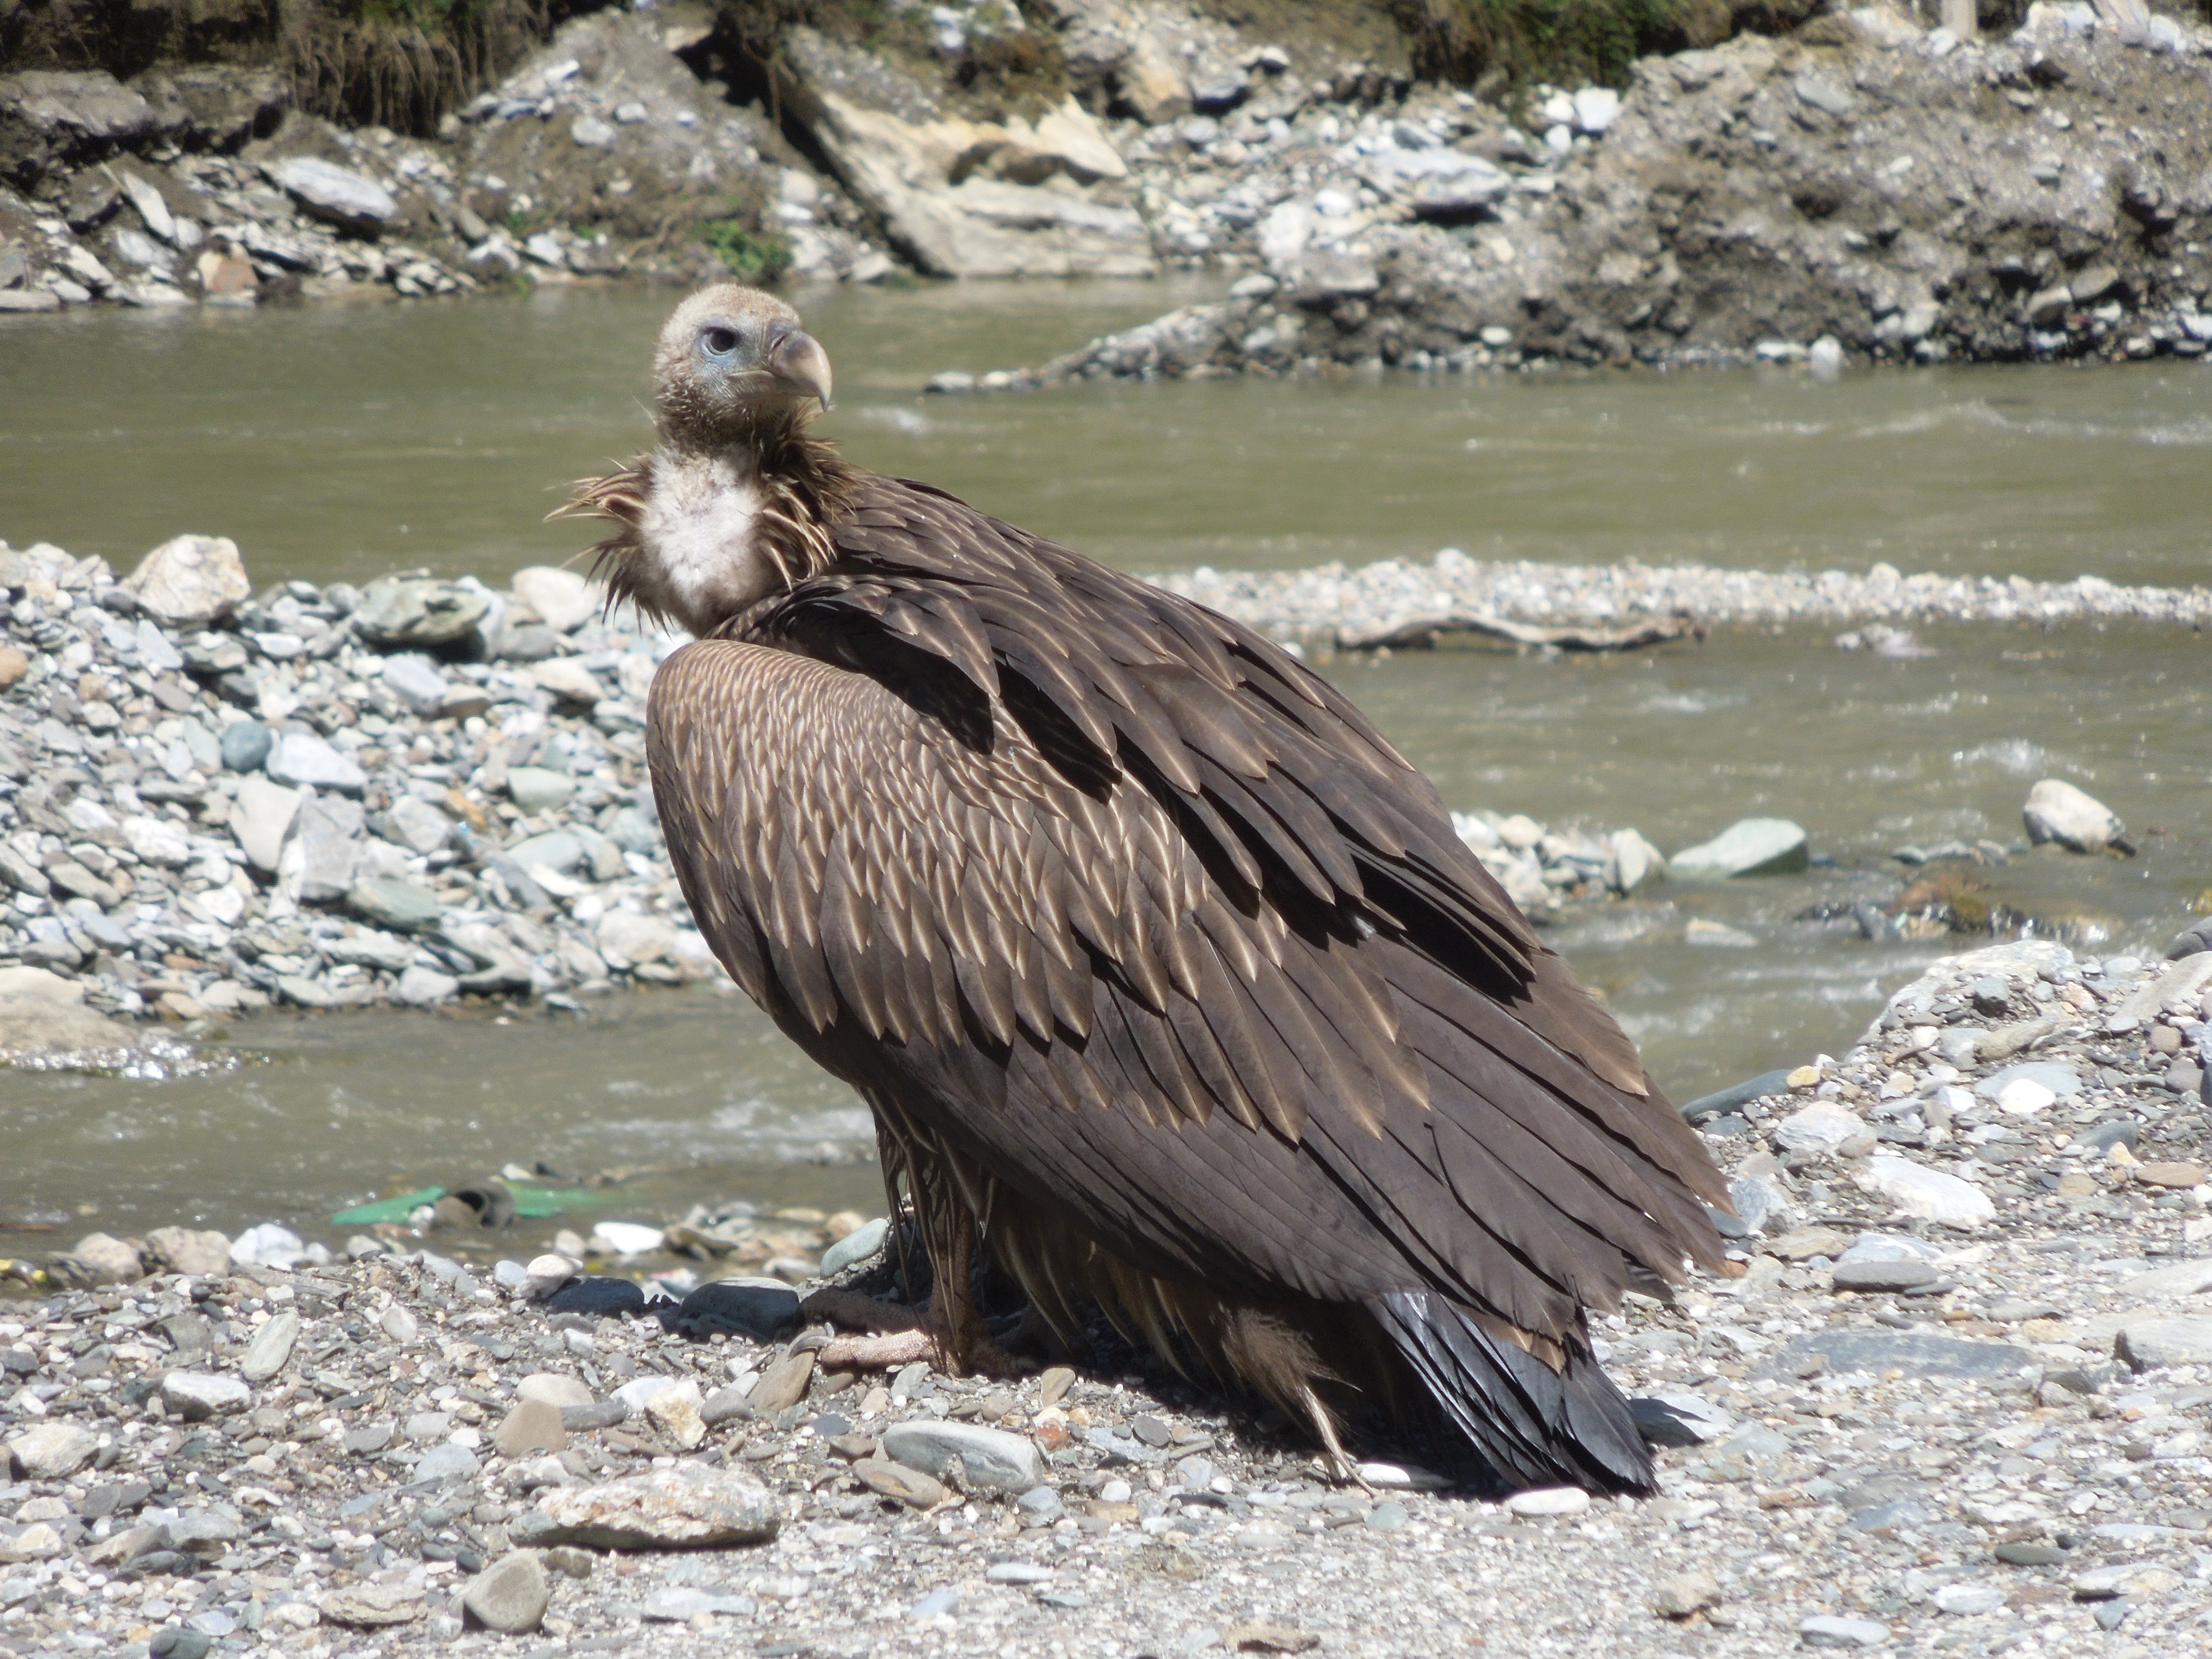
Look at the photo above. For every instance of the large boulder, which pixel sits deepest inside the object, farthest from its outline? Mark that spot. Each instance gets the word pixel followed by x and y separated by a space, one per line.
pixel 48 118
pixel 2076 820
pixel 1017 198
pixel 350 200
pixel 191 580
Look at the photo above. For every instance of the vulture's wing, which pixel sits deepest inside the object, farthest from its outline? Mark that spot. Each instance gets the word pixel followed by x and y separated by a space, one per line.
pixel 1151 921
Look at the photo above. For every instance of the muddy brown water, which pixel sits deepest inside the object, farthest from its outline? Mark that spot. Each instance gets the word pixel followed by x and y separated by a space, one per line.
pixel 342 442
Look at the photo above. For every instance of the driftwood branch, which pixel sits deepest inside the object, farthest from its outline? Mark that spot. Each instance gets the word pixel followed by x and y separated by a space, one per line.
pixel 1421 632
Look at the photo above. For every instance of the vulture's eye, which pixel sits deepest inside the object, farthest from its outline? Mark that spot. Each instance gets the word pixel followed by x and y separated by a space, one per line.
pixel 719 341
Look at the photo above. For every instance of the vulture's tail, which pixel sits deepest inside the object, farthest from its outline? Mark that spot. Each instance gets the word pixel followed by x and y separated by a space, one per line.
pixel 1535 1426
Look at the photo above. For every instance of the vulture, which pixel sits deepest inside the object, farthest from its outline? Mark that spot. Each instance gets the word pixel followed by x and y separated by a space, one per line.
pixel 1168 982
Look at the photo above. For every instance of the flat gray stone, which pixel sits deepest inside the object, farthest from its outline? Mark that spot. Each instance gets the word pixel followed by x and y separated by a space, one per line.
pixel 338 195
pixel 992 1458
pixel 539 789
pixel 1918 1353
pixel 1749 846
pixel 413 612
pixel 2149 1343
pixel 324 849
pixel 446 1461
pixel 271 1348
pixel 1827 1630
pixel 1883 1275
pixel 681 1603
pixel 857 1246
pixel 195 1395
pixel 392 902
pixel 301 757
pixel 420 687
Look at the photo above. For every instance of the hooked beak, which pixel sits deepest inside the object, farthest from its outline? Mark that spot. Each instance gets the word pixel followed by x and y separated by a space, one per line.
pixel 797 360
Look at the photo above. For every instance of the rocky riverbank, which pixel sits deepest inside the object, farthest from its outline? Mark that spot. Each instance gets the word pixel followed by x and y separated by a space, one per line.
pixel 1952 1395
pixel 212 801
pixel 1859 190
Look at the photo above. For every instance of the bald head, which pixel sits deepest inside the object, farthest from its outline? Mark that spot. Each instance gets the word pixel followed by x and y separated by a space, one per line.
pixel 733 360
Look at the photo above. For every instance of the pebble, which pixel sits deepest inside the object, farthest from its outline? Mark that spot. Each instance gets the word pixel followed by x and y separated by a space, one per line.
pixel 1686 1594
pixel 54 1451
pixel 991 1457
pixel 1883 1275
pixel 271 1347
pixel 1549 1500
pixel 861 1244
pixel 511 1595
pixel 197 1396
pixel 1827 1630
pixel 533 1425
pixel 1968 1600
pixel 683 1506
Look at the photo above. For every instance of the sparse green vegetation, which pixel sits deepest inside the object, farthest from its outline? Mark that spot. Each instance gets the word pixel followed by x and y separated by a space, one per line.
pixel 750 256
pixel 1515 43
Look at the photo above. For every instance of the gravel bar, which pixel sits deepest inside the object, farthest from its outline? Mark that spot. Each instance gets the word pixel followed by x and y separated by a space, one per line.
pixel 1956 1393
pixel 1343 605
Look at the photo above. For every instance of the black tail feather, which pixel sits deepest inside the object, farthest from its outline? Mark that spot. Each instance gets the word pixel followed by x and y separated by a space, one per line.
pixel 1535 1426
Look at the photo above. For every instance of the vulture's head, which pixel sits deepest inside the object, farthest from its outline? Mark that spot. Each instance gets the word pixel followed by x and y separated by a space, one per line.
pixel 733 361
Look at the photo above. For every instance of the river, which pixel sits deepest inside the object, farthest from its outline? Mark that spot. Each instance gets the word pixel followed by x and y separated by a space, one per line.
pixel 341 442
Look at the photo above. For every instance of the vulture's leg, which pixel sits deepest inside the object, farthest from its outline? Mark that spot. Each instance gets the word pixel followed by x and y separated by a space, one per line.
pixel 948 1333
pixel 957 1322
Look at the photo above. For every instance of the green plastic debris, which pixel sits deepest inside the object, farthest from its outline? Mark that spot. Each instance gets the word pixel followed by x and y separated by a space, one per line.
pixel 530 1203
pixel 387 1209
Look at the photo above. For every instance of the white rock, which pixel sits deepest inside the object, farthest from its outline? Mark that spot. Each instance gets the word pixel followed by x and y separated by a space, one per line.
pixel 195 1395
pixel 399 1325
pixel 554 1388
pixel 2181 1278
pixel 159 840
pixel 566 677
pixel 1596 108
pixel 54 1451
pixel 547 1273
pixel 625 938
pixel 1284 233
pixel 2024 1095
pixel 1930 1194
pixel 191 580
pixel 2057 811
pixel 1966 1600
pixel 335 193
pixel 269 1245
pixel 564 599
pixel 1819 1128
pixel 1549 1500
pixel 260 817
pixel 627 1237
pixel 422 987
pixel 301 757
